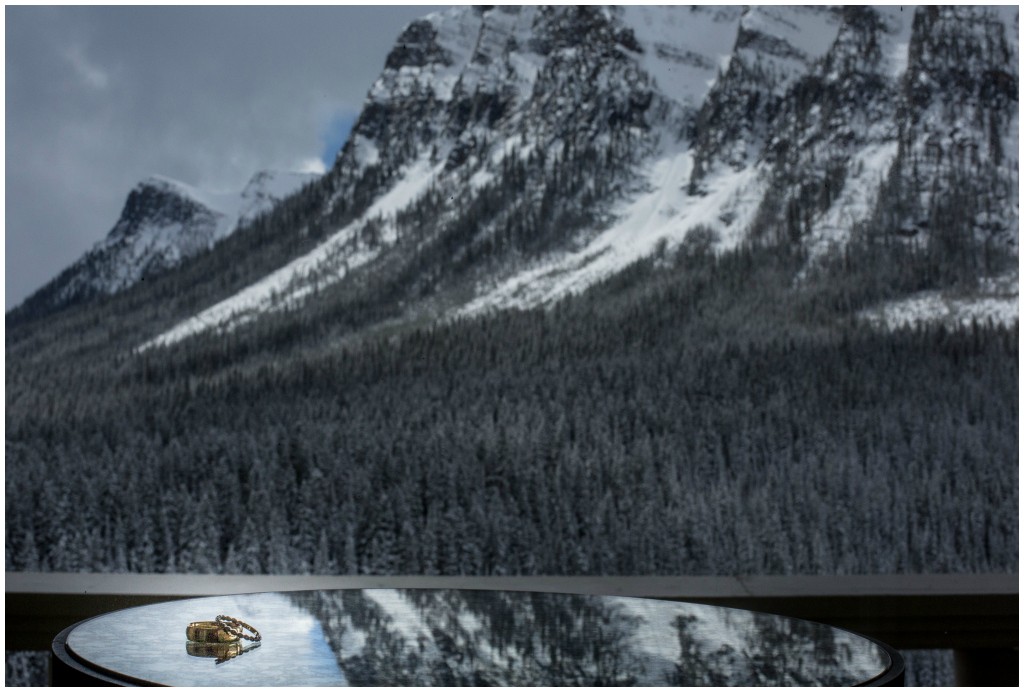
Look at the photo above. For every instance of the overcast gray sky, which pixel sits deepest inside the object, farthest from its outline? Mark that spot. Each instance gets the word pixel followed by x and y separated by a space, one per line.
pixel 99 98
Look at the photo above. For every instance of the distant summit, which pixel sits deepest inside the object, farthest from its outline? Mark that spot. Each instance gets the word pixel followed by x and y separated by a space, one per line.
pixel 163 222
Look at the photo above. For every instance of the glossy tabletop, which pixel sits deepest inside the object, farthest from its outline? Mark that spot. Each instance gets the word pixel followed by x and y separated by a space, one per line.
pixel 465 637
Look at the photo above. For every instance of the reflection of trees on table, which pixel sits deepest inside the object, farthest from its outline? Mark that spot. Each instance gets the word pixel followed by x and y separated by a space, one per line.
pixel 452 637
pixel 396 637
pixel 759 649
pixel 698 666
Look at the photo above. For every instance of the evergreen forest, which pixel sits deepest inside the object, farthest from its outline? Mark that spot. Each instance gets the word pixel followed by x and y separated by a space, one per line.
pixel 692 415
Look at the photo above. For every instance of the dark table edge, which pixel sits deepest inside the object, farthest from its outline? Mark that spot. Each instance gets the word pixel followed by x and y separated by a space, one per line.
pixel 895 675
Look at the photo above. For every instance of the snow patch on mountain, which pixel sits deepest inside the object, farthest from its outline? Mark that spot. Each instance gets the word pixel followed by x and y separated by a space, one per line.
pixel 411 185
pixel 868 168
pixel 661 215
pixel 996 300
pixel 328 263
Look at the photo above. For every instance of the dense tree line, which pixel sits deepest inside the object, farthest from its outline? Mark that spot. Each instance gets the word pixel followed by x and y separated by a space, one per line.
pixel 872 457
pixel 657 425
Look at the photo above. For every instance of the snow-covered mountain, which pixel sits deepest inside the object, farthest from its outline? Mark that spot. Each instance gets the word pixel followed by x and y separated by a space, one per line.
pixel 538 150
pixel 163 222
pixel 507 157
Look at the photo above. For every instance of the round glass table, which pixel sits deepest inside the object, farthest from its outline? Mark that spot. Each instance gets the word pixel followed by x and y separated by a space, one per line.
pixel 390 637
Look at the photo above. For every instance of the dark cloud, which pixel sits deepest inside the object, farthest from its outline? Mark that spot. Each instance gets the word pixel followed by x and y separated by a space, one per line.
pixel 100 97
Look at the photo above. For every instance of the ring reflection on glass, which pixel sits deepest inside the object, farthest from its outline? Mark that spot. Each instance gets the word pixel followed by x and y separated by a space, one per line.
pixel 209 632
pixel 223 652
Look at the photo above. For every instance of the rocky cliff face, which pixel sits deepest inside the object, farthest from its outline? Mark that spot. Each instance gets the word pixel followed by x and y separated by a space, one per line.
pixel 927 108
pixel 957 166
pixel 835 132
pixel 774 48
pixel 471 93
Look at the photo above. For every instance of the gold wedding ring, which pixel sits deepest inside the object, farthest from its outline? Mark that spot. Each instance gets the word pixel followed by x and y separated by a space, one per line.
pixel 209 632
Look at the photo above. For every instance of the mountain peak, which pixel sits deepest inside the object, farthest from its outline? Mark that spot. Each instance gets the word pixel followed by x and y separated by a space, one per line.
pixel 163 222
